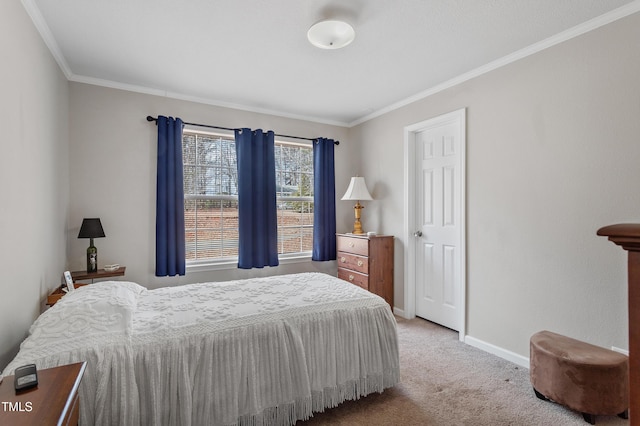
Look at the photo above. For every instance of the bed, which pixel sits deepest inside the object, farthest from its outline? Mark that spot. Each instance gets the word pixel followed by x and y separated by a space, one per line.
pixel 265 351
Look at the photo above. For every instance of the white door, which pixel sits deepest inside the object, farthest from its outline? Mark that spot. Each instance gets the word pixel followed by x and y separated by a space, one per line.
pixel 439 229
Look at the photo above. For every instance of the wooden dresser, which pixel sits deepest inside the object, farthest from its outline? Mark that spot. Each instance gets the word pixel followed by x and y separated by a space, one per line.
pixel 367 262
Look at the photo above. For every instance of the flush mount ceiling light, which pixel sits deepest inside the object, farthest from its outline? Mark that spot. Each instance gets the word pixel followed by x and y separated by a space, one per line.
pixel 331 34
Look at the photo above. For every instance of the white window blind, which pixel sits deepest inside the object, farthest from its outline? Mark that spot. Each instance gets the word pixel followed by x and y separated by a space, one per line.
pixel 211 197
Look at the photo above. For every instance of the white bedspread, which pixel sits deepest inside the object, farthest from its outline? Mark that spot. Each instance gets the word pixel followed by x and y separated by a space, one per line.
pixel 266 351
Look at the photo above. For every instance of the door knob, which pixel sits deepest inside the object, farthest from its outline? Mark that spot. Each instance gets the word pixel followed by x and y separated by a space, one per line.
pixel 417 234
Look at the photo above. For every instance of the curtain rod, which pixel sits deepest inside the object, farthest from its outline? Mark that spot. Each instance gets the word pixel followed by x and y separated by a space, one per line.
pixel 150 118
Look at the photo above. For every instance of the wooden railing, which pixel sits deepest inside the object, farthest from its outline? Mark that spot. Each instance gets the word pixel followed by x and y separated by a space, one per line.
pixel 628 237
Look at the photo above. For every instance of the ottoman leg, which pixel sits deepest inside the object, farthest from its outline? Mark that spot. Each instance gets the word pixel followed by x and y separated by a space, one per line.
pixel 589 418
pixel 539 395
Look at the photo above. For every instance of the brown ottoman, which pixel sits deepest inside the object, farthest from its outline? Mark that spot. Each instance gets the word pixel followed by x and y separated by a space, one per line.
pixel 581 376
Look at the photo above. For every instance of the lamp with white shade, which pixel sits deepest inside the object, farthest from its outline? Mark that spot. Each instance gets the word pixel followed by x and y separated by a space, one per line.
pixel 357 191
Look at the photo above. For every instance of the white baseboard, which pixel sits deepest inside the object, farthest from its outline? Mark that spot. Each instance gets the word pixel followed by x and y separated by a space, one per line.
pixel 622 351
pixel 498 351
pixel 399 312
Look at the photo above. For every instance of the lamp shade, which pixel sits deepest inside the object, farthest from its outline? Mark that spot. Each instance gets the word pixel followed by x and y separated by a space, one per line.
pixel 357 190
pixel 91 228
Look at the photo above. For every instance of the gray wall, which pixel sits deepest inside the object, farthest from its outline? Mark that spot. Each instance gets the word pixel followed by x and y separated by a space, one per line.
pixel 113 169
pixel 33 175
pixel 552 156
pixel 552 149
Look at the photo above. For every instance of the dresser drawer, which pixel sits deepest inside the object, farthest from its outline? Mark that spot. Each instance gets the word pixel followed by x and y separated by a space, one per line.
pixel 356 278
pixel 353 245
pixel 353 262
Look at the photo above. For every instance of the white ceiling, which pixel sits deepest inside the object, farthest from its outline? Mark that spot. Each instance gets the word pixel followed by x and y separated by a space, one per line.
pixel 254 55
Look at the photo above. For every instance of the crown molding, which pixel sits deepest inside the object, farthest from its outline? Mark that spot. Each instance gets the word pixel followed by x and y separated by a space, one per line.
pixel 43 28
pixel 41 25
pixel 36 16
pixel 206 101
pixel 573 32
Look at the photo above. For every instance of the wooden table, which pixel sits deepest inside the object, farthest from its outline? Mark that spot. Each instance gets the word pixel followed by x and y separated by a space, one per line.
pixel 57 294
pixel 99 274
pixel 53 402
pixel 628 237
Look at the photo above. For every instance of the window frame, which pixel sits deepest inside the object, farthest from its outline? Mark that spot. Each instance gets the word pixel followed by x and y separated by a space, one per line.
pixel 231 262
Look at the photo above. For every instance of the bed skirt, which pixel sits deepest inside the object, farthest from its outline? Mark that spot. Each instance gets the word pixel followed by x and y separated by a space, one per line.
pixel 274 370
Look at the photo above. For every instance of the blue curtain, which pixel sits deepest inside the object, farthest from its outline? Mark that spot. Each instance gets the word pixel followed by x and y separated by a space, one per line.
pixel 258 228
pixel 170 238
pixel 324 200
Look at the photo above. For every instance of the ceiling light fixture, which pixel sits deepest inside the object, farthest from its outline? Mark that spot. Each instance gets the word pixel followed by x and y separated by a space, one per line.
pixel 331 34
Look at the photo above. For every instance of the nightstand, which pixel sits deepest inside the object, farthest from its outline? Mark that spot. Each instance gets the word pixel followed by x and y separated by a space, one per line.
pixel 98 275
pixel 58 293
pixel 53 402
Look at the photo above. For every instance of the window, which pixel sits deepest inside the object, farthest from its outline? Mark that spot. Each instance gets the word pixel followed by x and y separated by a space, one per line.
pixel 294 197
pixel 211 197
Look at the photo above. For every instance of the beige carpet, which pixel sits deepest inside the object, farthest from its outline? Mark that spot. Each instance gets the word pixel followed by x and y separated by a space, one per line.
pixel 446 382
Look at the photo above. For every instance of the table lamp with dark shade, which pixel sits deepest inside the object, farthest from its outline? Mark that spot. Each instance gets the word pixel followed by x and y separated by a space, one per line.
pixel 91 228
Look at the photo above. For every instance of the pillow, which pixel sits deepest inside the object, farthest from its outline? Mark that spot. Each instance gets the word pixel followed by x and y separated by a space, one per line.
pixel 117 293
pixel 96 308
pixel 89 318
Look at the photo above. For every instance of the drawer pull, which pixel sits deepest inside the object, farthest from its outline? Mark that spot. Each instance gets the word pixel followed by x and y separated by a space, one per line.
pixel 352 244
pixel 343 259
pixel 351 277
pixel 360 263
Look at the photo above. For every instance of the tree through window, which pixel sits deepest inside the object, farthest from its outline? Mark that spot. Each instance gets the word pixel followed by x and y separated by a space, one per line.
pixel 211 197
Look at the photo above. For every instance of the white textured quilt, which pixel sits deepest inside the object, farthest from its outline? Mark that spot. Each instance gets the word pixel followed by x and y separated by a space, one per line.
pixel 266 351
